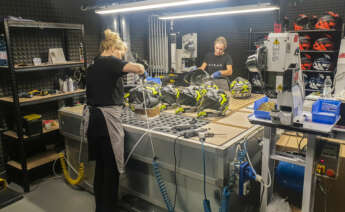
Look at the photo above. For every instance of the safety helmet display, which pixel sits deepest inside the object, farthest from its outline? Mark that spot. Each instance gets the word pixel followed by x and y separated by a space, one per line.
pixel 306 62
pixel 305 42
pixel 301 22
pixel 323 63
pixel 240 88
pixel 328 21
pixel 324 44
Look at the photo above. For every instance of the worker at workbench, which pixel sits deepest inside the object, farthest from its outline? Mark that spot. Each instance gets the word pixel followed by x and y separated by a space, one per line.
pixel 105 134
pixel 218 63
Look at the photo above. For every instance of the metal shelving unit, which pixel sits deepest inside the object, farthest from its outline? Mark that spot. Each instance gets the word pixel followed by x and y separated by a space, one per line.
pixel 339 33
pixel 17 103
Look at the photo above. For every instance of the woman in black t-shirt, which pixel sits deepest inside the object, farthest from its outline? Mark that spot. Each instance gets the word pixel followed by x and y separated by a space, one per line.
pixel 218 64
pixel 102 116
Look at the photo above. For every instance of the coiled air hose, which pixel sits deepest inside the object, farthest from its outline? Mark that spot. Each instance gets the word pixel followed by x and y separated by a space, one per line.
pixel 162 186
pixel 68 178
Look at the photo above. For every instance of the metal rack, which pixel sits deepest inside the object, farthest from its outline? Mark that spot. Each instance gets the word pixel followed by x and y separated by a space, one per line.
pixel 339 34
pixel 17 102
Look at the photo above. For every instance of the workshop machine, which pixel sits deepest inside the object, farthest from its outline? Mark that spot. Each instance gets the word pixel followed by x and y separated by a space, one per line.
pixel 278 64
pixel 184 52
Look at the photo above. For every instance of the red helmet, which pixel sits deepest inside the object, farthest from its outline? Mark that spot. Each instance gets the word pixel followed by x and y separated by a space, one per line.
pixel 328 21
pixel 304 42
pixel 323 44
pixel 301 22
pixel 306 62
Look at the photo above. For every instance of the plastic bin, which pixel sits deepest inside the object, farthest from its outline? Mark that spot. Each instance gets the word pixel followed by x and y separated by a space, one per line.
pixel 258 113
pixel 326 111
pixel 153 79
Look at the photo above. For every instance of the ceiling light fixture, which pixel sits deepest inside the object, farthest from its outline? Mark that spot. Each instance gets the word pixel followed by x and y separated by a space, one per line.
pixel 149 5
pixel 222 11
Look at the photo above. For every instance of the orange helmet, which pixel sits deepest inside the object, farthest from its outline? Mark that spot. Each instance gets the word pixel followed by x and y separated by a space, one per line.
pixel 306 62
pixel 328 21
pixel 323 44
pixel 305 42
pixel 301 22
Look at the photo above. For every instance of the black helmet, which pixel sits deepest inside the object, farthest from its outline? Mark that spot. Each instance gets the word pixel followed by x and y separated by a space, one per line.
pixel 323 63
pixel 301 22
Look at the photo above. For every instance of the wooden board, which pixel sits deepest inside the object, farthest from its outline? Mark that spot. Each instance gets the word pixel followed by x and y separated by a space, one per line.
pixel 290 143
pixel 237 104
pixel 222 133
pixel 13 134
pixel 236 119
pixel 342 151
pixel 37 98
pixel 37 160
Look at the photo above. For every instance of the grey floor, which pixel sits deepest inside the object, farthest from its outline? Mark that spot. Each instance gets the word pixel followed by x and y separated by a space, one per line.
pixel 52 195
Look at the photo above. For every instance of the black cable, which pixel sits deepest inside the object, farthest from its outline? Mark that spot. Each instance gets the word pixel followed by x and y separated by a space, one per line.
pixel 175 141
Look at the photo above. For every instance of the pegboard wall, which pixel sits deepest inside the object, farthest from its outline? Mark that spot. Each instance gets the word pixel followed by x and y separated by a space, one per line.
pixel 30 43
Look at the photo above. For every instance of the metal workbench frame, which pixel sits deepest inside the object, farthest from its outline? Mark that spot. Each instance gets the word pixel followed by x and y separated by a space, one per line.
pixel 268 157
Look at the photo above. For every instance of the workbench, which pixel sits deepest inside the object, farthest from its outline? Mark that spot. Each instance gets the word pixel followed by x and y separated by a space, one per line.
pixel 139 179
pixel 315 133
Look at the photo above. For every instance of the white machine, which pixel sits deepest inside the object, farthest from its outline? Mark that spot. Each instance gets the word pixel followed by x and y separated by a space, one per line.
pixel 339 80
pixel 184 58
pixel 278 64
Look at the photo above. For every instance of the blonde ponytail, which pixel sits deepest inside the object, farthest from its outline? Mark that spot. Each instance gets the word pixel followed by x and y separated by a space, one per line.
pixel 112 41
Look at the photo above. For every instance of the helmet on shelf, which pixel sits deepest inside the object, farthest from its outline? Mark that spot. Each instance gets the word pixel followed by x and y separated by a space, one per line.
pixel 328 21
pixel 301 22
pixel 324 44
pixel 323 63
pixel 306 62
pixel 305 42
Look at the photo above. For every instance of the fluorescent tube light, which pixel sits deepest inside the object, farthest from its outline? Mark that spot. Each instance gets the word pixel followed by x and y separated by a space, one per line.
pixel 222 11
pixel 149 5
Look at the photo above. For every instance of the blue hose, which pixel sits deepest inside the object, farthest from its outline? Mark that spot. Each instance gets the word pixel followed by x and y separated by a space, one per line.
pixel 206 202
pixel 162 186
pixel 225 200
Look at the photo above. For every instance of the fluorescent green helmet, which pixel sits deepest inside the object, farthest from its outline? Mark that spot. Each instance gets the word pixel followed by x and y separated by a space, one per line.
pixel 240 88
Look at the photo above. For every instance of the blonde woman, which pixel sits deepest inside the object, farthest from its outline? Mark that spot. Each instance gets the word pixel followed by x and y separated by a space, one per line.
pixel 218 64
pixel 102 121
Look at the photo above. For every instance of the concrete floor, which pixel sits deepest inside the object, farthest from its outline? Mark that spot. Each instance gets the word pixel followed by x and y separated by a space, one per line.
pixel 54 195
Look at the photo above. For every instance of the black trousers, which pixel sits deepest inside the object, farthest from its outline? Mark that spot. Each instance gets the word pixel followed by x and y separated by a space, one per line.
pixel 106 180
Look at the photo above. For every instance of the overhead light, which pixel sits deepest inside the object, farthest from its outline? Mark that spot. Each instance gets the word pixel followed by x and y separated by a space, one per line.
pixel 222 11
pixel 149 5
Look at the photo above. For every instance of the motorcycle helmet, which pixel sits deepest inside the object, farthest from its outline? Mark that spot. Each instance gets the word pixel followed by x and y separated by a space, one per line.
pixel 323 63
pixel 323 44
pixel 306 62
pixel 328 21
pixel 240 88
pixel 169 94
pixel 301 22
pixel 312 21
pixel 305 42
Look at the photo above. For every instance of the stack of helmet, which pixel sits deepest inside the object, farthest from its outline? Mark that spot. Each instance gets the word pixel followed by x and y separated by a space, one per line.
pixel 325 43
pixel 168 96
pixel 143 96
pixel 323 63
pixel 213 99
pixel 328 21
pixel 306 62
pixel 190 97
pixel 240 88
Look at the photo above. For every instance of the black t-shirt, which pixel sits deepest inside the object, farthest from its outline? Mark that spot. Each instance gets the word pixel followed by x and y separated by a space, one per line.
pixel 104 85
pixel 217 63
